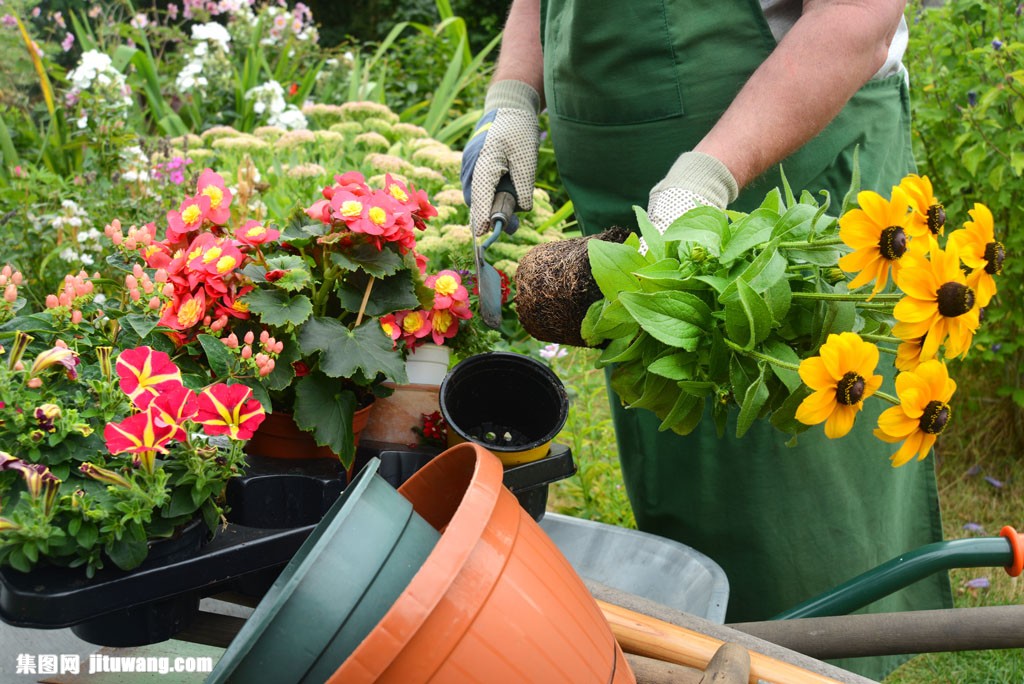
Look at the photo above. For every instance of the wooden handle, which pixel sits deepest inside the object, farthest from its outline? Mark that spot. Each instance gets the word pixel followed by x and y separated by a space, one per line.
pixel 643 635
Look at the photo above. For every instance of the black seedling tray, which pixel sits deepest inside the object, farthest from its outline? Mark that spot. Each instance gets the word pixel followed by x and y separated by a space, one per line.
pixel 273 508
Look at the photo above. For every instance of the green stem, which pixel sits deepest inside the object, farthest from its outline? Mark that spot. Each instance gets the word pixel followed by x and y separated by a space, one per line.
pixel 827 243
pixel 888 397
pixel 840 297
pixel 882 338
pixel 762 357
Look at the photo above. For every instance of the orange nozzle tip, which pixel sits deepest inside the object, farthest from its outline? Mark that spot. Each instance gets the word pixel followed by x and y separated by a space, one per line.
pixel 1016 540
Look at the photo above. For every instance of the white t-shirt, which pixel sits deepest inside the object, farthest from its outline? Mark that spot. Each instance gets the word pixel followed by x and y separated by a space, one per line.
pixel 782 14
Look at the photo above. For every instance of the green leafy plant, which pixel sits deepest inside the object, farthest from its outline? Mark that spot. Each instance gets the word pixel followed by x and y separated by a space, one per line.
pixel 103 463
pixel 966 60
pixel 755 311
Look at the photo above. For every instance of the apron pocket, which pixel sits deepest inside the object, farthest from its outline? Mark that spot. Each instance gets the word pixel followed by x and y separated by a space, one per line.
pixel 611 62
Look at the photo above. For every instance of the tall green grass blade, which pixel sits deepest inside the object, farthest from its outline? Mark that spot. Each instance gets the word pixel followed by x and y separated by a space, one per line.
pixel 9 154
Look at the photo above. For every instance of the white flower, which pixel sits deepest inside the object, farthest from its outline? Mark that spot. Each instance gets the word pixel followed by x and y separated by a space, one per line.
pixel 83 122
pixel 553 351
pixel 100 299
pixel 213 32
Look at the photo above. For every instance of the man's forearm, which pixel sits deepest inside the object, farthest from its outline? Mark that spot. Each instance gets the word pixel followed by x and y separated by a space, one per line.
pixel 832 50
pixel 521 57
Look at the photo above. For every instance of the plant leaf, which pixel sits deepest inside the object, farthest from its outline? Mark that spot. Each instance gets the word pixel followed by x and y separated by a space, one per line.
pixel 748 320
pixel 753 400
pixel 679 319
pixel 217 355
pixel 704 226
pixel 346 353
pixel 366 257
pixel 324 408
pixel 297 275
pixel 277 308
pixel 612 265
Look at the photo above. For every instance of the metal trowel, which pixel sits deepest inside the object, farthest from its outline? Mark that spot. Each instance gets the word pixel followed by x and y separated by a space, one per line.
pixel 487 278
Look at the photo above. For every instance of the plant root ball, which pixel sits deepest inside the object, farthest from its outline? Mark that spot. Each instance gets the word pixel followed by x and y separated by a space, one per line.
pixel 554 287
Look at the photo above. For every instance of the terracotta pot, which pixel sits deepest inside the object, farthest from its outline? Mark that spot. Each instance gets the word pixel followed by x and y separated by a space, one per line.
pixel 394 417
pixel 279 437
pixel 495 602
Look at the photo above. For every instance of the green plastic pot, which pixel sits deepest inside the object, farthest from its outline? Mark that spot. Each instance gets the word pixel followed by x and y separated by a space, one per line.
pixel 335 590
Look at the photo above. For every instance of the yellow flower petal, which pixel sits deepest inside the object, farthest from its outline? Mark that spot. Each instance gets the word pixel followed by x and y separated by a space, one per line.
pixel 841 421
pixel 817 407
pixel 815 375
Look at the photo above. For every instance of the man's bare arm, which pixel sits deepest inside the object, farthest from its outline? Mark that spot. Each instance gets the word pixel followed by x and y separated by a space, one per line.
pixel 832 50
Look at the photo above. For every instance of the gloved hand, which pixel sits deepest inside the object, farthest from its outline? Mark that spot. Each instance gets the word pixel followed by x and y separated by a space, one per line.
pixel 695 179
pixel 505 141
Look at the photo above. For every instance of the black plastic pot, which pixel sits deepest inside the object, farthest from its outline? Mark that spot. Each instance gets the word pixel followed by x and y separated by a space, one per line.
pixel 512 391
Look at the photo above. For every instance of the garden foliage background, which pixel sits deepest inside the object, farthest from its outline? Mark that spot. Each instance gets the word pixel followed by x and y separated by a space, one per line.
pixel 108 109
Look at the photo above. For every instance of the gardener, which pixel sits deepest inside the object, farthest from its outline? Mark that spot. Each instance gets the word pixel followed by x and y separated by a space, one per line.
pixel 677 104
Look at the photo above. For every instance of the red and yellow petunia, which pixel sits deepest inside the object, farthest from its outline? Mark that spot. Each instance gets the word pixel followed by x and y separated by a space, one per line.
pixel 173 407
pixel 229 410
pixel 842 377
pixel 922 414
pixel 144 373
pixel 142 435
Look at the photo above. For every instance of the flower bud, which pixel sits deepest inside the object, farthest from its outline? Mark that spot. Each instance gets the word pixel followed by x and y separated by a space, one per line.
pixel 17 278
pixel 246 352
pixel 76 316
pixel 10 293
pixel 51 301
pixel 161 275
pixel 7 271
pixel 249 337
pixel 264 336
pixel 168 290
pixel 232 341
pixel 131 282
pixel 154 303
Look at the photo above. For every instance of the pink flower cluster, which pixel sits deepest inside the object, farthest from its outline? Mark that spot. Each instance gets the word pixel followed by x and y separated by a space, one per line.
pixel 76 290
pixel 384 216
pixel 441 322
pixel 9 282
pixel 197 261
pixel 264 360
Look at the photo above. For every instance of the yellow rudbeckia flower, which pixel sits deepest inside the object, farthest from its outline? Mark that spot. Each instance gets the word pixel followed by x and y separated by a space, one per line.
pixel 939 305
pixel 842 377
pixel 927 215
pixel 877 232
pixel 980 251
pixel 923 412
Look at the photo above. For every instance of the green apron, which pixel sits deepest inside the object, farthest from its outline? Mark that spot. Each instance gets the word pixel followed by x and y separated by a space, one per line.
pixel 629 86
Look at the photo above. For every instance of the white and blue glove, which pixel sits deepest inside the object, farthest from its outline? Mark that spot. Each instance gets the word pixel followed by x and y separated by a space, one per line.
pixel 695 179
pixel 505 141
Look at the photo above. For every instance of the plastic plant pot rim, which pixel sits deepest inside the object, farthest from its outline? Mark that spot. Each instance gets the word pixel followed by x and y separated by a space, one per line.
pixel 519 453
pixel 273 603
pixel 458 542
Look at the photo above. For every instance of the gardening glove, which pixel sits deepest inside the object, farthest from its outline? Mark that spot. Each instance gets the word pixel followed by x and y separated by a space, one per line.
pixel 504 142
pixel 695 179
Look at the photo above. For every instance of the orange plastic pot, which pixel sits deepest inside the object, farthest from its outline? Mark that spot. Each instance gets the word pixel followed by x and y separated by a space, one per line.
pixel 279 437
pixel 495 602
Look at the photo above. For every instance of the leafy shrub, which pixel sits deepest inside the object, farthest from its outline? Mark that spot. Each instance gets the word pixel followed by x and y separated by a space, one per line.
pixel 966 63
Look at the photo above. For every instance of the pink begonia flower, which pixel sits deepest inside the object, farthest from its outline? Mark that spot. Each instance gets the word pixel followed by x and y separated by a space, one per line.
pixel 189 217
pixel 254 233
pixel 211 185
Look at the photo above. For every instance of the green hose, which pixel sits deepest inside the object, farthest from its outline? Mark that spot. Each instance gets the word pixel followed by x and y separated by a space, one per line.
pixel 903 571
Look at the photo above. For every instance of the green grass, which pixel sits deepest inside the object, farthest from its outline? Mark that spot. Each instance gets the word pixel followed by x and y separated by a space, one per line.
pixel 984 442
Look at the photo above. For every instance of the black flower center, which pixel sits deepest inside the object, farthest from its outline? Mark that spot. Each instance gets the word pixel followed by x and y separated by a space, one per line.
pixel 893 243
pixel 850 389
pixel 994 255
pixel 955 299
pixel 936 415
pixel 936 218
